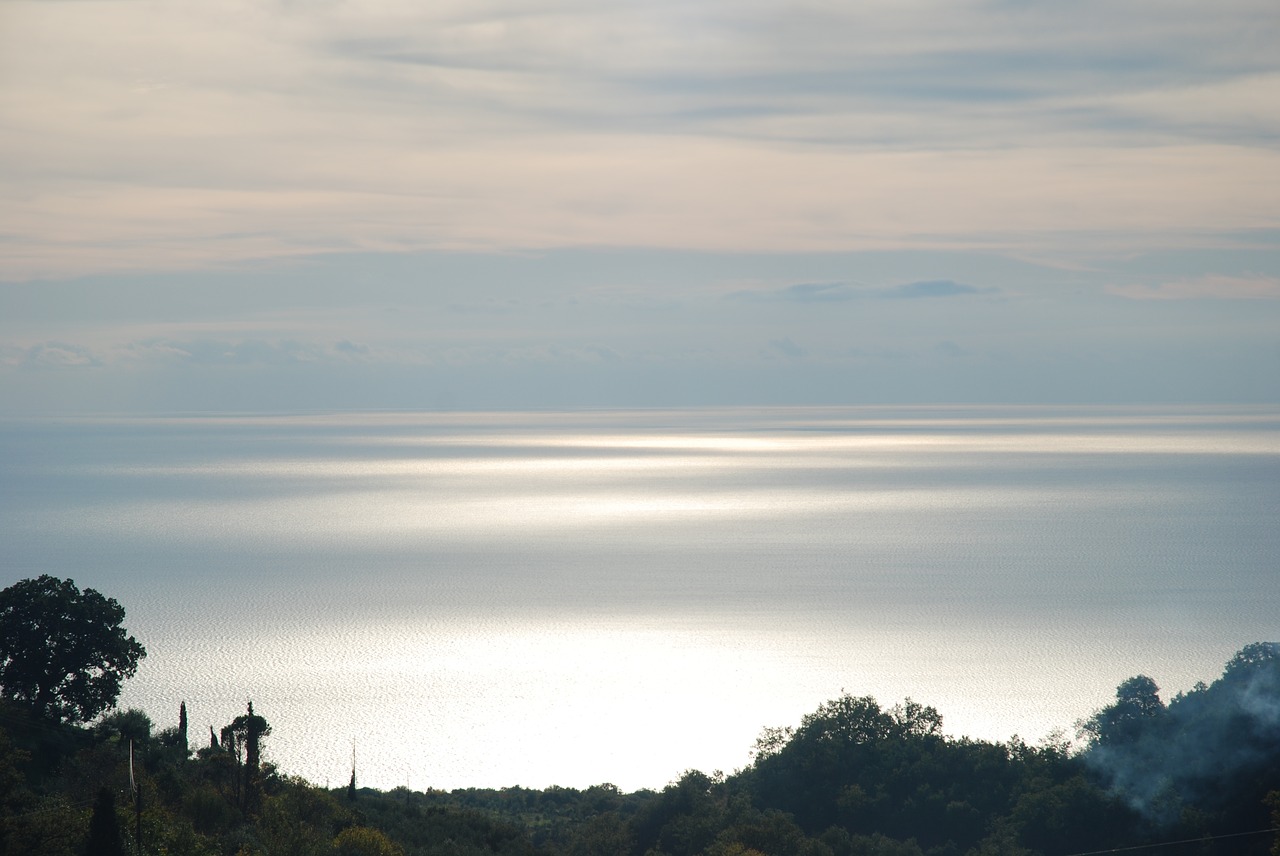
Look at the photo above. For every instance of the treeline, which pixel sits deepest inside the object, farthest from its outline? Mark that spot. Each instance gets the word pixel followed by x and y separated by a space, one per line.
pixel 853 778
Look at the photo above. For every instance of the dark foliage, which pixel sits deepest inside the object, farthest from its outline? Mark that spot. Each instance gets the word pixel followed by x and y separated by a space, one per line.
pixel 852 779
pixel 1204 764
pixel 63 653
pixel 104 827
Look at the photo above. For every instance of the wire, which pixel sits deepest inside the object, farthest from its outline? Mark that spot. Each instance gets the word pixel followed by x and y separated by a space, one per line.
pixel 25 723
pixel 46 810
pixel 1175 843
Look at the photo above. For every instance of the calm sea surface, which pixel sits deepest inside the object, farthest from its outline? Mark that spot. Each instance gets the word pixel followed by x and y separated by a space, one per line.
pixel 550 598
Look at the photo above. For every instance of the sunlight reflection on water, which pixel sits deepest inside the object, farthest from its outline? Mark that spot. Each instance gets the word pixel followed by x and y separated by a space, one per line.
pixel 492 599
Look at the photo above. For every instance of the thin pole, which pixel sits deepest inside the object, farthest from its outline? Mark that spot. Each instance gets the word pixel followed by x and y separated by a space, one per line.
pixel 136 787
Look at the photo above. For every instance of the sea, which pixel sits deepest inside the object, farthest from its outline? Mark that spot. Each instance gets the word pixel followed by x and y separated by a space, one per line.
pixel 449 600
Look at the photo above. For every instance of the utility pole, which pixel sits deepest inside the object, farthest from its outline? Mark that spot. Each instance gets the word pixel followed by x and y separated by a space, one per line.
pixel 136 787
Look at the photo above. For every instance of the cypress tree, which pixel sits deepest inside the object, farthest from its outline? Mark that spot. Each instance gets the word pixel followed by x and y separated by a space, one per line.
pixel 247 732
pixel 182 729
pixel 104 828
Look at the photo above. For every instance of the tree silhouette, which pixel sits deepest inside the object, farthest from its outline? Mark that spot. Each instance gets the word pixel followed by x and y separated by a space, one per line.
pixel 1252 658
pixel 63 653
pixel 248 731
pixel 1137 705
pixel 104 827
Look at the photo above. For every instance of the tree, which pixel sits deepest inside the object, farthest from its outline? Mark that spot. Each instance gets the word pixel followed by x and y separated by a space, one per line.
pixel 363 841
pixel 1136 707
pixel 63 652
pixel 104 828
pixel 1273 802
pixel 247 731
pixel 128 725
pixel 1252 658
pixel 1140 697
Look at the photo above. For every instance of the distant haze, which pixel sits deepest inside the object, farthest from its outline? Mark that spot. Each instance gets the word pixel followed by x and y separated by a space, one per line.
pixel 625 329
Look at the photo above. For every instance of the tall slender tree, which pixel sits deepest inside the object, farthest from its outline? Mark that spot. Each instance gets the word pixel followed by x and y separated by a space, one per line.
pixel 248 731
pixel 351 785
pixel 104 827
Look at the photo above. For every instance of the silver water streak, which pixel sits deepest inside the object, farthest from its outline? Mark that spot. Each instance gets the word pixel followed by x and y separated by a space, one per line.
pixel 573 598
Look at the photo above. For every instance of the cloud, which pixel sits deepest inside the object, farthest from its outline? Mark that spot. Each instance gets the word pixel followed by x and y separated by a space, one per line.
pixel 668 59
pixel 240 352
pixel 804 292
pixel 1212 287
pixel 929 288
pixel 156 135
pixel 273 354
pixel 352 349
pixel 838 292
pixel 787 348
pixel 50 355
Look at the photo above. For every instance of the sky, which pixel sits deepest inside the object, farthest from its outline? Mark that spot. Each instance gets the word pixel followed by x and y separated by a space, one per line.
pixel 265 205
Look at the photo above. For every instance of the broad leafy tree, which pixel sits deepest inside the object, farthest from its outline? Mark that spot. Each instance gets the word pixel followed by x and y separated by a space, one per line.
pixel 1137 707
pixel 362 841
pixel 1253 659
pixel 63 652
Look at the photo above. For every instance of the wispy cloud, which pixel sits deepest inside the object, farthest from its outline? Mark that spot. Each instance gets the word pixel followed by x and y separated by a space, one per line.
pixel 803 292
pixel 839 292
pixel 930 288
pixel 48 355
pixel 1257 287
pixel 151 135
pixel 572 200
pixel 197 352
pixel 786 347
